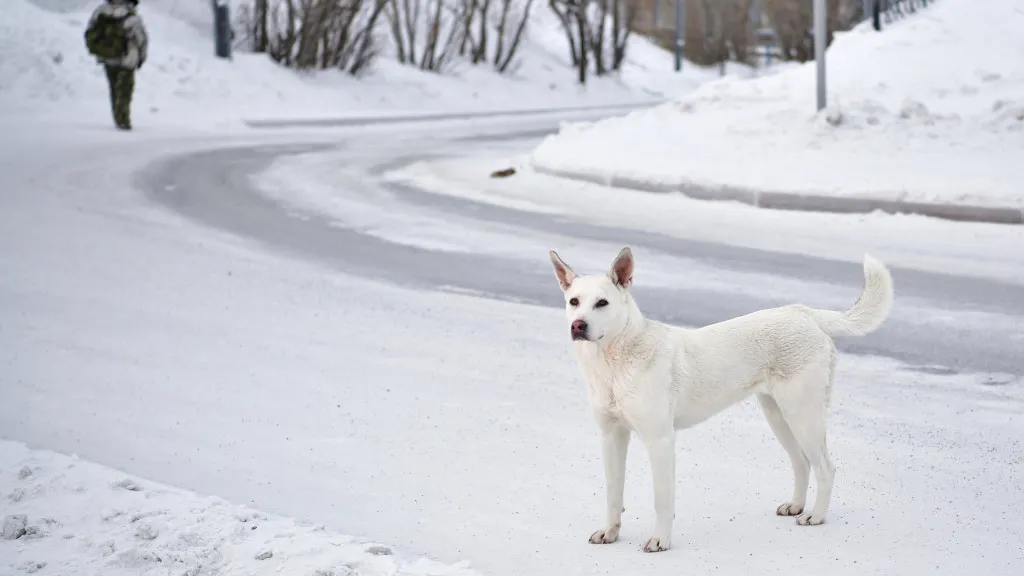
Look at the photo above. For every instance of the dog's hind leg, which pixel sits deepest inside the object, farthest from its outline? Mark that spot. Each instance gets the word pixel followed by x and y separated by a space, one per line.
pixel 615 440
pixel 804 404
pixel 801 468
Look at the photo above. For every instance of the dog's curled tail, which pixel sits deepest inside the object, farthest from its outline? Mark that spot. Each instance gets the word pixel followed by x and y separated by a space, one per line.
pixel 870 310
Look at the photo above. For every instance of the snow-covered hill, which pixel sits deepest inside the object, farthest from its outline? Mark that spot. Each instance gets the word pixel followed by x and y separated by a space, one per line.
pixel 44 68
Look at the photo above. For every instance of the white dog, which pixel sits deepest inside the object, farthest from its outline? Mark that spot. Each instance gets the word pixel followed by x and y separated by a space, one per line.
pixel 653 379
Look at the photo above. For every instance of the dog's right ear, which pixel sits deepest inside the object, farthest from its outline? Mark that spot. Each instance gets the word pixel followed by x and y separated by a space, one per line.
pixel 563 272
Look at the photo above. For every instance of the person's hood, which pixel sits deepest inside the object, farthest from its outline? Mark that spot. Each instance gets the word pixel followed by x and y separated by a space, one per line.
pixel 118 8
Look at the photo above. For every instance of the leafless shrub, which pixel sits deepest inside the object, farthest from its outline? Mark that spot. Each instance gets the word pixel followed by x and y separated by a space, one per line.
pixel 508 20
pixel 427 33
pixel 572 14
pixel 608 40
pixel 314 34
pixel 597 31
pixel 511 28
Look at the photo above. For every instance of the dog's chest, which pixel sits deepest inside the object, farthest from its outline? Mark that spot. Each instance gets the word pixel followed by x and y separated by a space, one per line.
pixel 609 386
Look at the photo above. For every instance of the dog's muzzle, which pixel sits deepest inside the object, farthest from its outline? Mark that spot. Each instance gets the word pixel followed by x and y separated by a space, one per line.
pixel 578 329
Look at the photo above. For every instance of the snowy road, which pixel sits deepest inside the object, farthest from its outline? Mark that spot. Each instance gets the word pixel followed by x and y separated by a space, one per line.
pixel 165 312
pixel 944 322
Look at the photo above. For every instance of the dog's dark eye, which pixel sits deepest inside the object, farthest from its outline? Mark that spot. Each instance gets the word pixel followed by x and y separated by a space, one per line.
pixel 574 302
pixel 601 303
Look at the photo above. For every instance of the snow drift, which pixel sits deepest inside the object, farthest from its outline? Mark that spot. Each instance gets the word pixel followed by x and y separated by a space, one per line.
pixel 931 109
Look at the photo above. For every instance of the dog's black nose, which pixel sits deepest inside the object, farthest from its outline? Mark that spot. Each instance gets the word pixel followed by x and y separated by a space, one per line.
pixel 579 326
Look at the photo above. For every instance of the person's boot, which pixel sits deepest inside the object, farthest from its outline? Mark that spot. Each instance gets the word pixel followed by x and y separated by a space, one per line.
pixel 122 121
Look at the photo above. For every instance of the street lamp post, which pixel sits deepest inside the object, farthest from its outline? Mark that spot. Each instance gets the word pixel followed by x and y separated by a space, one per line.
pixel 680 24
pixel 820 39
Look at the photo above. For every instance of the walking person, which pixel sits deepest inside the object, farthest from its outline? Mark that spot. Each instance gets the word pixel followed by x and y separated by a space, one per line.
pixel 117 38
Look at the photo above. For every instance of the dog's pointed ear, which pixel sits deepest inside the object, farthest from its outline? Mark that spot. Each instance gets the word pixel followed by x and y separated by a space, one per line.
pixel 622 269
pixel 563 272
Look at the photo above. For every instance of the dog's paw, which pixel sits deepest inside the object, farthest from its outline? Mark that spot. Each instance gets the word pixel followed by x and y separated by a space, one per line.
pixel 789 509
pixel 606 536
pixel 656 544
pixel 810 519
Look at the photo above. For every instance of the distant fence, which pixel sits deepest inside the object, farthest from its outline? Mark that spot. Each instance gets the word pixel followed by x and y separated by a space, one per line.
pixel 888 11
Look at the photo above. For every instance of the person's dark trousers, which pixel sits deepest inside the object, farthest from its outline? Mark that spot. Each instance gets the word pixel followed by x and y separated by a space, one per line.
pixel 122 84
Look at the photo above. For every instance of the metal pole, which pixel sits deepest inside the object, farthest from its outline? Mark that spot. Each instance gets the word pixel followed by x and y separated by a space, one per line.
pixel 222 29
pixel 680 25
pixel 820 38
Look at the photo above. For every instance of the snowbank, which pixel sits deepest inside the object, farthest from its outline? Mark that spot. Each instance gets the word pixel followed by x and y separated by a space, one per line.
pixel 930 109
pixel 67 516
pixel 906 241
pixel 45 70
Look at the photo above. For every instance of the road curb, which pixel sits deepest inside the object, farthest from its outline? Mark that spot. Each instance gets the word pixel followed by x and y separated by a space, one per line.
pixel 353 121
pixel 800 202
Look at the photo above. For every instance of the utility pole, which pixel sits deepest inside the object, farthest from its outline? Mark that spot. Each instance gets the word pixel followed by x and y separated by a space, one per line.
pixel 680 25
pixel 820 39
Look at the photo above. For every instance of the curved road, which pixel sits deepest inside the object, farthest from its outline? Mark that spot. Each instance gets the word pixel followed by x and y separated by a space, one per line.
pixel 135 338
pixel 216 188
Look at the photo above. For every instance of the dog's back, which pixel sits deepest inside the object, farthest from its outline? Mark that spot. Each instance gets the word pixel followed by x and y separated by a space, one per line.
pixel 725 362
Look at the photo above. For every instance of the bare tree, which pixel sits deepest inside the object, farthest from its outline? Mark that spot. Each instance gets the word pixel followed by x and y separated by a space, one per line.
pixel 258 29
pixel 427 34
pixel 608 39
pixel 441 23
pixel 321 34
pixel 623 17
pixel 404 16
pixel 470 10
pixel 597 32
pixel 598 20
pixel 573 16
pixel 510 29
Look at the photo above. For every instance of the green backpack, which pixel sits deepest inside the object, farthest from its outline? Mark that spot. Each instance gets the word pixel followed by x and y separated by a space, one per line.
pixel 106 38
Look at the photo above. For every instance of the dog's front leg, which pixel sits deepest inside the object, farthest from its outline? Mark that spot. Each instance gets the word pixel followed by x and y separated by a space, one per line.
pixel 615 444
pixel 662 451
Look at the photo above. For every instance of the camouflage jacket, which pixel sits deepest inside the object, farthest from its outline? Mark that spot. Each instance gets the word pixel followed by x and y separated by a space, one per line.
pixel 138 41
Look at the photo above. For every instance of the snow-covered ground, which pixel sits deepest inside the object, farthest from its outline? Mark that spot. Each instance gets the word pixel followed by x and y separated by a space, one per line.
pixel 930 109
pixel 46 70
pixel 216 407
pixel 439 425
pixel 65 516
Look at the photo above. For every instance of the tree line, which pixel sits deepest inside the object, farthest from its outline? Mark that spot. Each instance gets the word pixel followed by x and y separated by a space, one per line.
pixel 431 35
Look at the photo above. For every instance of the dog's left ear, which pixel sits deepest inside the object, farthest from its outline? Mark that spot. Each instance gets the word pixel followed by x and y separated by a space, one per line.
pixel 622 269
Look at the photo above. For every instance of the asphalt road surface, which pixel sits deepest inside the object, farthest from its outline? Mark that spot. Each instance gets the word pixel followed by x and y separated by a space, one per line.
pixel 215 187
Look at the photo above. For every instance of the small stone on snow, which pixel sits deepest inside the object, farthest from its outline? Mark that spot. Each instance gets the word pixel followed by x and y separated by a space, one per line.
pixel 379 550
pixel 25 472
pixel 128 484
pixel 14 527
pixel 107 548
pixel 33 567
pixel 146 531
pixel 265 555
